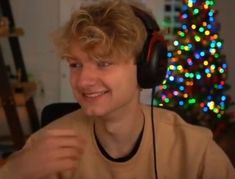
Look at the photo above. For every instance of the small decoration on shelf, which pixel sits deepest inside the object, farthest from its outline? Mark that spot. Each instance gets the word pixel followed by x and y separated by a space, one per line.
pixel 4 26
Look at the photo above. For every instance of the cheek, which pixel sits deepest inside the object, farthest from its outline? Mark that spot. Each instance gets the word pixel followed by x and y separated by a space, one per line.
pixel 128 80
pixel 73 79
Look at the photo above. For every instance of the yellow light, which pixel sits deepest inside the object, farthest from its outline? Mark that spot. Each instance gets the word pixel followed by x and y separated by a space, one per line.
pixel 205 63
pixel 211 105
pixel 205 6
pixel 185 95
pixel 216 110
pixel 204 24
pixel 212 51
pixel 179 52
pixel 208 75
pixel 215 36
pixel 190 4
pixel 180 67
pixel 186 48
pixel 172 67
pixel 188 83
pixel 193 26
pixel 207 32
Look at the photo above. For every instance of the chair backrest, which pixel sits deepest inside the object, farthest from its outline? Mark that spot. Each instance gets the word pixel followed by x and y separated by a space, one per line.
pixel 54 111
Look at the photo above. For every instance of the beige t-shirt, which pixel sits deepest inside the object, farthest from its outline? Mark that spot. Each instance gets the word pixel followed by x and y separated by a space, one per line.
pixel 183 151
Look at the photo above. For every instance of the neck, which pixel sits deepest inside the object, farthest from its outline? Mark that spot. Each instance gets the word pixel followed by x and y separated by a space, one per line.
pixel 118 134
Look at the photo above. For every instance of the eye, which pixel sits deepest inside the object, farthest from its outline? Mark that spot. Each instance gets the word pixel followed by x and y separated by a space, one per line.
pixel 103 64
pixel 75 65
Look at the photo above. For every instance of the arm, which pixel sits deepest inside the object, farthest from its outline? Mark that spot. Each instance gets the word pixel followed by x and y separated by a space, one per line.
pixel 45 154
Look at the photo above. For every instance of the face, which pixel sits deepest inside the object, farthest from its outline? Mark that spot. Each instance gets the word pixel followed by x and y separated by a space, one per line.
pixel 102 87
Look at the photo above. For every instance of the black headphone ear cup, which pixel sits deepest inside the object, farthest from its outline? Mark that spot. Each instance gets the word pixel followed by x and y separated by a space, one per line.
pixel 152 61
pixel 152 65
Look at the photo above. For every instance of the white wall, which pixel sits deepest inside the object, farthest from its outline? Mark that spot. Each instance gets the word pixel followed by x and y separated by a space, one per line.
pixel 39 19
pixel 226 17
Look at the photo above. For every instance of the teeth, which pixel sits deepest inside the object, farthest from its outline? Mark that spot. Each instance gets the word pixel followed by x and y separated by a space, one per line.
pixel 92 95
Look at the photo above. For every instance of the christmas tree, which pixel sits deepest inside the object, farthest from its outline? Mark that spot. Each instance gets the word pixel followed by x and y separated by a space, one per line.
pixel 195 84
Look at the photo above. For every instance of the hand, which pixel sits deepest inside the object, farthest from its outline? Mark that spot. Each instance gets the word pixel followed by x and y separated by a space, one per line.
pixel 47 153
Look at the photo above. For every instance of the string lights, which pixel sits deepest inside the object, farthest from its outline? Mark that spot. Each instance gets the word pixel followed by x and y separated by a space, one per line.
pixel 197 70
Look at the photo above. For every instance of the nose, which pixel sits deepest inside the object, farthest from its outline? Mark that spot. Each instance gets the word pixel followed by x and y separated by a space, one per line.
pixel 86 77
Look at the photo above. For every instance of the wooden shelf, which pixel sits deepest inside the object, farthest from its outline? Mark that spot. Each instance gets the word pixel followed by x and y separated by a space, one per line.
pixel 15 33
pixel 26 90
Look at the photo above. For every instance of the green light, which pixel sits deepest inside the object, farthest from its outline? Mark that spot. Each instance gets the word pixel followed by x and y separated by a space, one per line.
pixel 216 110
pixel 216 55
pixel 167 100
pixel 192 101
pixel 221 70
pixel 197 38
pixel 181 34
pixel 201 29
pixel 191 75
pixel 187 75
pixel 210 2
pixel 219 116
pixel 213 67
pixel 195 11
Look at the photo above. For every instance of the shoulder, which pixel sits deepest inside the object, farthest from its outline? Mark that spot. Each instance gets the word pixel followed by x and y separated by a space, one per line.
pixel 75 120
pixel 170 125
pixel 172 121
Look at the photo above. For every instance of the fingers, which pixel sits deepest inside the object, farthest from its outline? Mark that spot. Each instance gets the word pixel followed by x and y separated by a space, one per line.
pixel 58 138
pixel 48 152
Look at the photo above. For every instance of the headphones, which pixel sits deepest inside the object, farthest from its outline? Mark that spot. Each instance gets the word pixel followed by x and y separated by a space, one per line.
pixel 152 61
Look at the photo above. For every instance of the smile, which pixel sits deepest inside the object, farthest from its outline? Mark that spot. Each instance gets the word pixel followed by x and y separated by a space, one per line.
pixel 94 94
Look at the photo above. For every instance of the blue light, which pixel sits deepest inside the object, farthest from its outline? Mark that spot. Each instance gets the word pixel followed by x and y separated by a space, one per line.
pixel 219 44
pixel 207 70
pixel 181 103
pixel 190 45
pixel 181 88
pixel 223 98
pixel 211 13
pixel 222 104
pixel 171 78
pixel 197 56
pixel 198 76
pixel 169 54
pixel 180 79
pixel 202 54
pixel 225 66
pixel 185 16
pixel 205 109
pixel 209 98
pixel 213 43
pixel 209 26
pixel 184 7
pixel 211 19
pixel 184 26
pixel 220 86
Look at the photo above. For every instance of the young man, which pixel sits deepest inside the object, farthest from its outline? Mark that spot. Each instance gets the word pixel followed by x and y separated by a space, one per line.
pixel 111 136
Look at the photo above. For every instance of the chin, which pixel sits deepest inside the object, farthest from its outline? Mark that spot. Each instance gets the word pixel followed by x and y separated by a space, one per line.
pixel 91 112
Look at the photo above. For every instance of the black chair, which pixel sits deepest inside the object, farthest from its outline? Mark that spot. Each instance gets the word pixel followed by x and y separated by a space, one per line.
pixel 54 111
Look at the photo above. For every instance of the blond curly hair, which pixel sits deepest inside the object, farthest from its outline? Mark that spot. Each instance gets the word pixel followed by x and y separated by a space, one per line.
pixel 102 29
